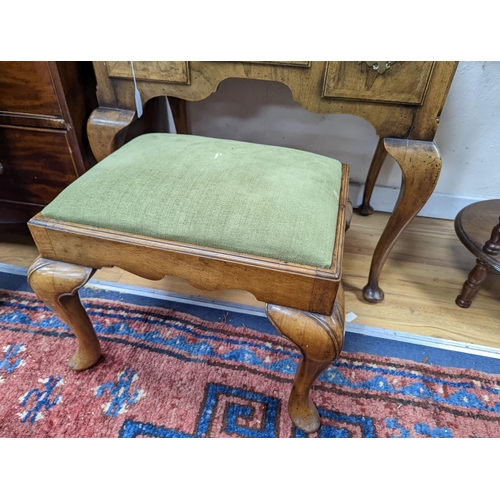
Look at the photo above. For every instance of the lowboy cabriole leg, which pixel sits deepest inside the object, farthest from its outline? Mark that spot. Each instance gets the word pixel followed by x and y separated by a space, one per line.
pixel 377 161
pixel 106 130
pixel 57 284
pixel 420 164
pixel 320 340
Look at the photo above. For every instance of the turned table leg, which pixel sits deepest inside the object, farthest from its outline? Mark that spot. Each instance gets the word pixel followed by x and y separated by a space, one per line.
pixel 320 339
pixel 473 284
pixel 480 271
pixel 106 130
pixel 420 164
pixel 492 246
pixel 378 160
pixel 57 284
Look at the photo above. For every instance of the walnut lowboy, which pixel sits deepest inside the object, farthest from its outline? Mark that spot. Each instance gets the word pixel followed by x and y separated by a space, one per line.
pixel 402 100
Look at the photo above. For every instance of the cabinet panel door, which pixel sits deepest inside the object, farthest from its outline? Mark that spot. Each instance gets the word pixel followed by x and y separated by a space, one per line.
pixel 37 164
pixel 26 87
pixel 402 82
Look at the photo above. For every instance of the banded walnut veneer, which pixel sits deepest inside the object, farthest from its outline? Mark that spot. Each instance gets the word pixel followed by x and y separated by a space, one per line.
pixel 402 100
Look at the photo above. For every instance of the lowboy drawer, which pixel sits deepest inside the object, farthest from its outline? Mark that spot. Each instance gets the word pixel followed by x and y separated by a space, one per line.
pixel 159 71
pixel 399 82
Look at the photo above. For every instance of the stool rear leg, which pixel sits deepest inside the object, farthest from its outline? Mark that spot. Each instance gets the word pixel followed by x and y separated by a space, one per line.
pixel 320 339
pixel 57 284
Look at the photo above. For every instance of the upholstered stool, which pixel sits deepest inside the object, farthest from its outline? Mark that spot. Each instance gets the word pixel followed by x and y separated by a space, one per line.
pixel 221 214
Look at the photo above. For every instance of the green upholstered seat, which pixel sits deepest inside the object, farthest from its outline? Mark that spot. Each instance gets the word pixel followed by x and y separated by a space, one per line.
pixel 249 198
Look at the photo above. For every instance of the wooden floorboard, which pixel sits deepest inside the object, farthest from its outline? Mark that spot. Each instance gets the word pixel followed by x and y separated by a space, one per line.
pixel 421 279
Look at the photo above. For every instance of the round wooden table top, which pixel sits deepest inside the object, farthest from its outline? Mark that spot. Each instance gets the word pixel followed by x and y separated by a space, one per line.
pixel 473 226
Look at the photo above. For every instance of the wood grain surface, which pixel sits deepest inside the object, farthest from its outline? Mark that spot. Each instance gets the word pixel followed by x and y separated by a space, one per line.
pixel 423 275
pixel 37 164
pixel 28 88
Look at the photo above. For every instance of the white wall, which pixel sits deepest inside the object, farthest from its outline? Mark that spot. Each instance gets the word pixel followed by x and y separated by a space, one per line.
pixel 468 135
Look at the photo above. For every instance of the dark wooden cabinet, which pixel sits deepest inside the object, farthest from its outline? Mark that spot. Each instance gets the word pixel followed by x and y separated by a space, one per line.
pixel 44 107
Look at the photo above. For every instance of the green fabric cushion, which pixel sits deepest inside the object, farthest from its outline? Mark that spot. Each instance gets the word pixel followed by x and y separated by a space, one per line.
pixel 262 200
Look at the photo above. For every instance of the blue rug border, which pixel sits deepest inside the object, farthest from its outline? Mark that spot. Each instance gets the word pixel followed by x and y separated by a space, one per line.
pixel 354 342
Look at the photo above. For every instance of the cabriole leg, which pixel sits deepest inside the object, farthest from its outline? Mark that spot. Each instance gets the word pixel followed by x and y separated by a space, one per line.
pixel 320 339
pixel 378 160
pixel 420 164
pixel 106 129
pixel 57 284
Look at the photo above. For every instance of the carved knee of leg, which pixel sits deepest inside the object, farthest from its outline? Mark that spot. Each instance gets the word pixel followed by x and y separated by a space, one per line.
pixel 57 284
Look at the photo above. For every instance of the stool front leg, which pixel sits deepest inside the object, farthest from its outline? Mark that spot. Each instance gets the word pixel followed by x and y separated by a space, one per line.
pixel 320 340
pixel 57 284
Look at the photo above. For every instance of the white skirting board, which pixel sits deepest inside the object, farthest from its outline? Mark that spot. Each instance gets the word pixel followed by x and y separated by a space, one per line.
pixel 439 205
pixel 258 311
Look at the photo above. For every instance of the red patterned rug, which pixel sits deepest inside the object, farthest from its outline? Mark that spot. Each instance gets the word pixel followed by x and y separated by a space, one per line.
pixel 170 374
